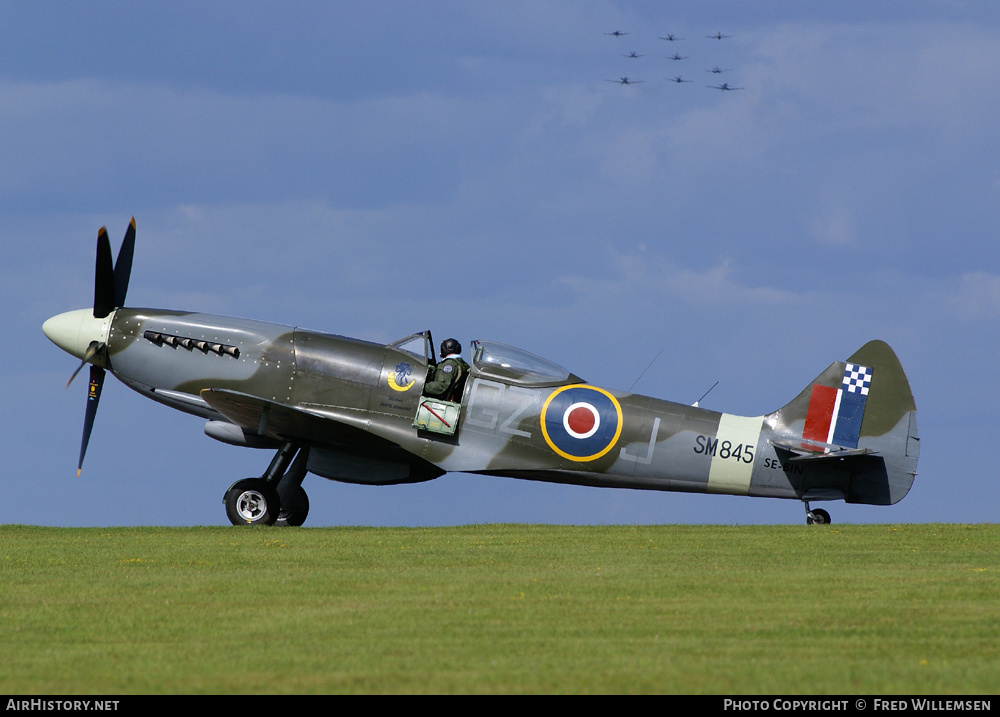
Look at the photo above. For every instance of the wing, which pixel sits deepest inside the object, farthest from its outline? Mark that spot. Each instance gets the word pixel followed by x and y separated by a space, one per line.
pixel 340 445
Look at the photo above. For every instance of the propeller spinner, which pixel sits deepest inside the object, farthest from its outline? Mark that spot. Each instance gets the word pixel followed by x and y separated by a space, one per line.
pixel 84 332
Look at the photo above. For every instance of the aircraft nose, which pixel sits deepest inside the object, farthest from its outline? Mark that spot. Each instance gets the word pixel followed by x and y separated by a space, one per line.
pixel 73 331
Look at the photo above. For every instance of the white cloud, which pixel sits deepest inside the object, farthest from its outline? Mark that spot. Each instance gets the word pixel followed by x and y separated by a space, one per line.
pixel 658 281
pixel 976 296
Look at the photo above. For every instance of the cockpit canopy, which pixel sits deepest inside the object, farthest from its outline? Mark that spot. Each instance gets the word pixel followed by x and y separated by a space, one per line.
pixel 514 365
pixel 489 358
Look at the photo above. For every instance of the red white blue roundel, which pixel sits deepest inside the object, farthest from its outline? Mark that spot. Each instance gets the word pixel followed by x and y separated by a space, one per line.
pixel 581 423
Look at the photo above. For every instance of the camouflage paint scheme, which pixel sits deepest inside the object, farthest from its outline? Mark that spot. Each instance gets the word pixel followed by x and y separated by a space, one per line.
pixel 344 409
pixel 351 403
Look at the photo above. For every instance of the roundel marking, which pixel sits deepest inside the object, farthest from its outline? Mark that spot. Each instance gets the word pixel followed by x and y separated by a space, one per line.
pixel 581 420
pixel 581 423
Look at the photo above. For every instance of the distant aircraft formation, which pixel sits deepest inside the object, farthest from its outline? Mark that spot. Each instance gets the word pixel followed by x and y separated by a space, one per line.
pixel 676 57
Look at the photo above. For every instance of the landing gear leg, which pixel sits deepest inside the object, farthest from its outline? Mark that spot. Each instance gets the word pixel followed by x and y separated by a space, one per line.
pixel 255 501
pixel 294 501
pixel 816 517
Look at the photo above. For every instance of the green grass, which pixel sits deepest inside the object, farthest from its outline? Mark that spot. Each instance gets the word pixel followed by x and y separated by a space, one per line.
pixel 840 609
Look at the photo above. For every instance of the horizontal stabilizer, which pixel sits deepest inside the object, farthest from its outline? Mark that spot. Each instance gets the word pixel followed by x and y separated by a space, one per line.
pixel 814 450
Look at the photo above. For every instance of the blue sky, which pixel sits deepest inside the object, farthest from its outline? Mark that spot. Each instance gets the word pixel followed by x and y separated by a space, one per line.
pixel 376 169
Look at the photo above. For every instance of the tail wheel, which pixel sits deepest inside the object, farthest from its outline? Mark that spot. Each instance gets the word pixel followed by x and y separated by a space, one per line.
pixel 818 517
pixel 252 502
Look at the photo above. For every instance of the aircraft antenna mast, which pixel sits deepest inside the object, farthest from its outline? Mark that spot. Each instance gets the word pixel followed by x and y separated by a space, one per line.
pixel 644 371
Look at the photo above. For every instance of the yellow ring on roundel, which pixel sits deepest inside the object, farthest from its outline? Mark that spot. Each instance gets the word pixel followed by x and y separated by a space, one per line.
pixel 569 456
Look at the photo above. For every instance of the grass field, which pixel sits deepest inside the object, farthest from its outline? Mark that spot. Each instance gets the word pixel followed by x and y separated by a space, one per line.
pixel 842 609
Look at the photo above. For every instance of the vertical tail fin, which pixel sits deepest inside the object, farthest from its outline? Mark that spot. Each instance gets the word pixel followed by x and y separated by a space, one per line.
pixel 860 411
pixel 835 413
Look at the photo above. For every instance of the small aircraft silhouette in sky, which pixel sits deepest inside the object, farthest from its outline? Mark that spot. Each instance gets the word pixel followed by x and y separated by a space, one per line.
pixel 716 70
pixel 718 36
pixel 678 79
pixel 632 54
pixel 626 81
pixel 362 412
pixel 676 56
pixel 671 38
pixel 724 87
pixel 616 33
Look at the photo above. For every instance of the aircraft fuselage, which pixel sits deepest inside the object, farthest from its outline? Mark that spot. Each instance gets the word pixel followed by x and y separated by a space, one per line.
pixel 509 426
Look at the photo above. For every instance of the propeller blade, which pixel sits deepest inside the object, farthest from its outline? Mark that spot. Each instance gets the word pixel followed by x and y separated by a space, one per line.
pixel 92 351
pixel 110 287
pixel 123 264
pixel 93 397
pixel 104 277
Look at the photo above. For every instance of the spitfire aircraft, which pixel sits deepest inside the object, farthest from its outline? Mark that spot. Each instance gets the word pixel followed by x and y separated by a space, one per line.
pixel 355 411
pixel 724 87
pixel 676 56
pixel 718 36
pixel 626 81
pixel 678 79
pixel 671 38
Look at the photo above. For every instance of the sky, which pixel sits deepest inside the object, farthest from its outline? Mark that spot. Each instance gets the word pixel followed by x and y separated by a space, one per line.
pixel 381 168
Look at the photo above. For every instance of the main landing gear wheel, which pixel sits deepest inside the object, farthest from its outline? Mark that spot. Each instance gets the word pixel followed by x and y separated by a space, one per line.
pixel 817 517
pixel 252 501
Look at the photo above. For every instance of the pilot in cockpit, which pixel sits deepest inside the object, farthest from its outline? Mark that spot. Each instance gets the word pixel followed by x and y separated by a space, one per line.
pixel 446 380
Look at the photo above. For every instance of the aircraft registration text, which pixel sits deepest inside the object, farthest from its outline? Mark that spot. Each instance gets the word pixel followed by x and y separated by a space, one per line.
pixel 725 449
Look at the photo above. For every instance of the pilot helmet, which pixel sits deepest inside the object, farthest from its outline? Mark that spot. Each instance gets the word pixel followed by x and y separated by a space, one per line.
pixel 450 346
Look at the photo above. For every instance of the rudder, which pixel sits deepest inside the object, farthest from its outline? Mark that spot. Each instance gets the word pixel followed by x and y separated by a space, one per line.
pixel 860 411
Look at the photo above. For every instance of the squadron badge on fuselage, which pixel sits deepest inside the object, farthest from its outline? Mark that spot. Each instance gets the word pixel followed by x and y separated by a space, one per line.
pixel 400 380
